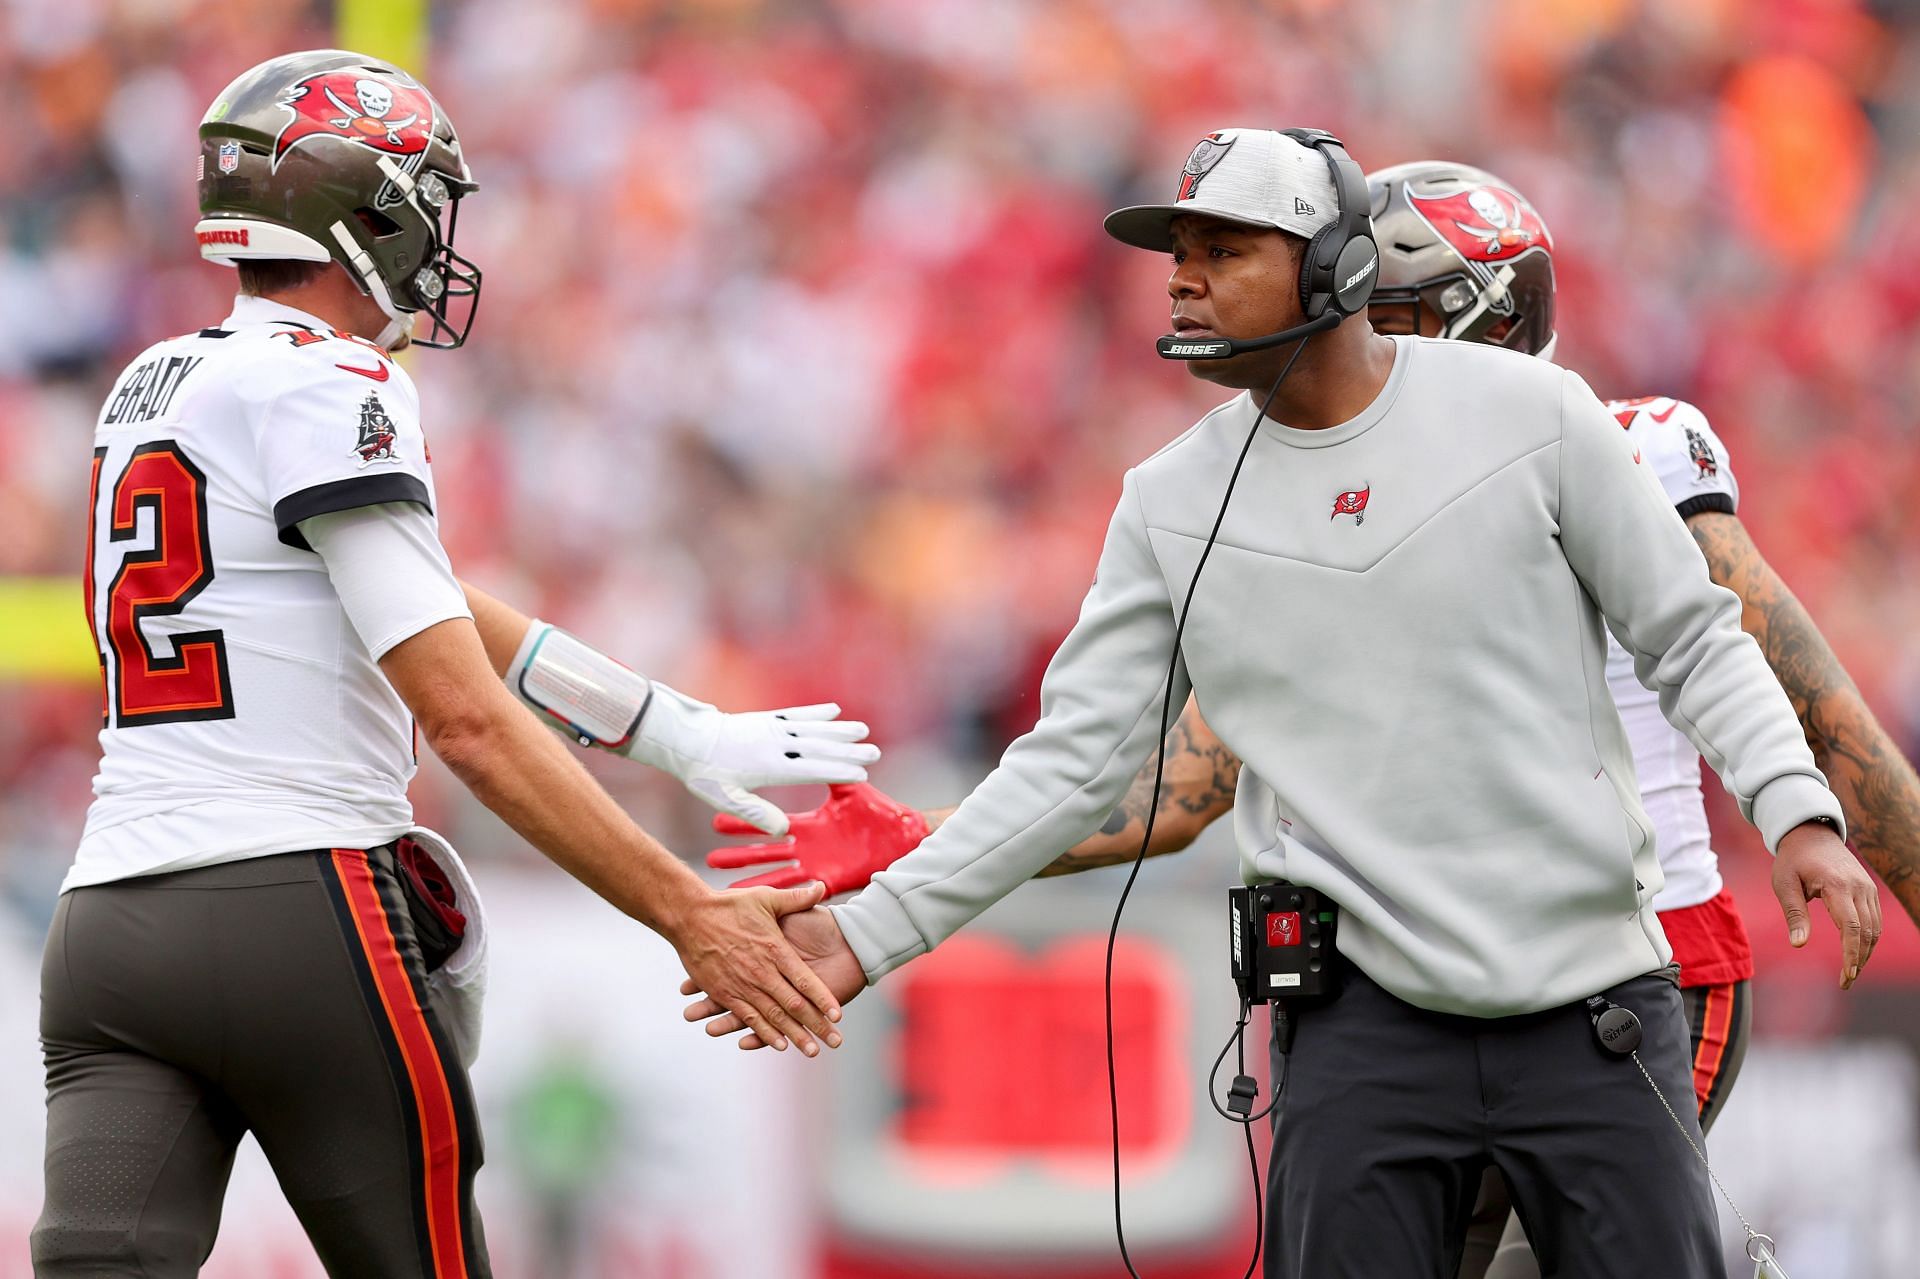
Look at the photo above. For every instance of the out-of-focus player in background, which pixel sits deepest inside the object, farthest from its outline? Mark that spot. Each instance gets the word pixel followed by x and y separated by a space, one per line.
pixel 253 936
pixel 1464 255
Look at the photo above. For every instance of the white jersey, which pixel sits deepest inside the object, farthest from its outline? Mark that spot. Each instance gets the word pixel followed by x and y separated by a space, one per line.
pixel 243 714
pixel 1693 468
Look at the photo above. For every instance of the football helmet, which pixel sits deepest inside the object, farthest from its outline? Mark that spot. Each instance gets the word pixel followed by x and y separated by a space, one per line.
pixel 1469 248
pixel 328 155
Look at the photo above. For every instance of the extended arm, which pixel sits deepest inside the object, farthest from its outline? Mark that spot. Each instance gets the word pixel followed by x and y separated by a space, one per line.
pixel 720 758
pixel 1873 781
pixel 1196 789
pixel 393 581
pixel 1102 707
pixel 859 831
pixel 1101 713
pixel 501 626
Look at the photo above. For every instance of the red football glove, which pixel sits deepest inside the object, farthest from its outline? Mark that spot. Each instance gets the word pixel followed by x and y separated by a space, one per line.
pixel 845 842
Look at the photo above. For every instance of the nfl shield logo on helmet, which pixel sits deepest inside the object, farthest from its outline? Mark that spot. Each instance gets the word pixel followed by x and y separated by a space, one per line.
pixel 229 156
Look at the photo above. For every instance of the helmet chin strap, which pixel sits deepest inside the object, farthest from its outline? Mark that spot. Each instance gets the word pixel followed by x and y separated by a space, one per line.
pixel 399 322
pixel 398 326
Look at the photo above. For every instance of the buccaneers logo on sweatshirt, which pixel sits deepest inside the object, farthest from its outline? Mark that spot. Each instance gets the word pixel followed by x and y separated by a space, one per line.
pixel 1353 502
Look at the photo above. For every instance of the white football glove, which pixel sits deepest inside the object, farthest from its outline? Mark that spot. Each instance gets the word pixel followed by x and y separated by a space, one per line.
pixel 596 701
pixel 723 758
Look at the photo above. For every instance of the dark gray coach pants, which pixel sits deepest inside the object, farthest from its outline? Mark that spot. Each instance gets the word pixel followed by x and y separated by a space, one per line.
pixel 1389 1115
pixel 283 996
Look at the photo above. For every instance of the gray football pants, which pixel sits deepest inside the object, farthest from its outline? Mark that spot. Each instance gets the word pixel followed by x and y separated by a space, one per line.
pixel 283 996
pixel 1389 1115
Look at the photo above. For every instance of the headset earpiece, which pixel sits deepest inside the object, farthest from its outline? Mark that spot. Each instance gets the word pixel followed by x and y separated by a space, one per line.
pixel 1341 261
pixel 1314 296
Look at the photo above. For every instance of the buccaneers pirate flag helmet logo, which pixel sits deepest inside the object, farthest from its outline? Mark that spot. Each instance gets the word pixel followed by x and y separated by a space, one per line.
pixel 361 108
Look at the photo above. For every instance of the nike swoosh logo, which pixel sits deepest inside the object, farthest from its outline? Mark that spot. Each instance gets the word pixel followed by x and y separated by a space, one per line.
pixel 1636 457
pixel 378 374
pixel 1661 417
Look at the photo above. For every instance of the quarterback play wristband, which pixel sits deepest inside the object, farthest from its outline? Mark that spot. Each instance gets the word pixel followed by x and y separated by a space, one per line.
pixel 597 699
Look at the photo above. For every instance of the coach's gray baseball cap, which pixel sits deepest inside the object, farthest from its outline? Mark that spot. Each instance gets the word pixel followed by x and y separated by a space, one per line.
pixel 1257 177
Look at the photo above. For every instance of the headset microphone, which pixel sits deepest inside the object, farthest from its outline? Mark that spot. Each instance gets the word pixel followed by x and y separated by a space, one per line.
pixel 1175 347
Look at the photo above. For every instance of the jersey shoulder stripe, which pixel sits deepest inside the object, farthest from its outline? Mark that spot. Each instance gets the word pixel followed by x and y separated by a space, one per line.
pixel 348 494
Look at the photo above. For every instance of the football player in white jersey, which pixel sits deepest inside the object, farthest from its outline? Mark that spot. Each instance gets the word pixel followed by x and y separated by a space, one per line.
pixel 1463 255
pixel 254 937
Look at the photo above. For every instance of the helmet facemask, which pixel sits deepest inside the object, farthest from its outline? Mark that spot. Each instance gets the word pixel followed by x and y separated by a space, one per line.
pixel 1463 308
pixel 444 286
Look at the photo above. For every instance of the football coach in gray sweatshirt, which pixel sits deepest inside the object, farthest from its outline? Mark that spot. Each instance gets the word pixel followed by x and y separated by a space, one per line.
pixel 1399 630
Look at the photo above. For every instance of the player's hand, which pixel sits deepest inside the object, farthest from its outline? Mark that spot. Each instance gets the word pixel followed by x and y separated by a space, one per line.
pixel 722 758
pixel 845 842
pixel 816 936
pixel 1813 862
pixel 731 944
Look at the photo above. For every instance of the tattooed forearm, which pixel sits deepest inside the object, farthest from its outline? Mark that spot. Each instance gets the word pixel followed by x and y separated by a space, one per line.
pixel 1196 787
pixel 1873 781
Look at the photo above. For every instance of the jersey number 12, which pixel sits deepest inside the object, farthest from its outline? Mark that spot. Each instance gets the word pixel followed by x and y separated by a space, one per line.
pixel 145 687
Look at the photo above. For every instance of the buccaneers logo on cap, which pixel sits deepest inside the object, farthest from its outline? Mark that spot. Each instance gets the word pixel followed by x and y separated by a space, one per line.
pixel 1486 224
pixel 1208 152
pixel 1353 502
pixel 371 112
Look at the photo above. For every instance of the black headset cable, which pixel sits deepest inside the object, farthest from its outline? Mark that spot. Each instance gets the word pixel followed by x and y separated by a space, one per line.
pixel 1146 840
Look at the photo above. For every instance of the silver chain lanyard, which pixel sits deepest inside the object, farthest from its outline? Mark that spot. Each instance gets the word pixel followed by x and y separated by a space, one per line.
pixel 1759 1246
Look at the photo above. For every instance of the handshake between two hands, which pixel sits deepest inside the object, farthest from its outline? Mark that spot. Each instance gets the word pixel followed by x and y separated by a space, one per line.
pixel 747 981
pixel 832 849
pixel 859 832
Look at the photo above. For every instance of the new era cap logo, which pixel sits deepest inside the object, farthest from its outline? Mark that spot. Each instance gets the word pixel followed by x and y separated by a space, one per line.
pixel 1301 206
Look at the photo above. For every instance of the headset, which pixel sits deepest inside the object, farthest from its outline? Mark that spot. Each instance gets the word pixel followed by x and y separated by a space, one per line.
pixel 1337 276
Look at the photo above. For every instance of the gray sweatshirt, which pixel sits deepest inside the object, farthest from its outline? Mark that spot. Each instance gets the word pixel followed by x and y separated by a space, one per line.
pixel 1399 633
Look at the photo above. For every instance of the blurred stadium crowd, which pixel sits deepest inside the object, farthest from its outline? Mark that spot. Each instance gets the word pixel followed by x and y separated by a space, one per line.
pixel 805 371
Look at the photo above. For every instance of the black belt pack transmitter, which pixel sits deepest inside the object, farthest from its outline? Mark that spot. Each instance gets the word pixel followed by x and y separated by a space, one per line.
pixel 1282 942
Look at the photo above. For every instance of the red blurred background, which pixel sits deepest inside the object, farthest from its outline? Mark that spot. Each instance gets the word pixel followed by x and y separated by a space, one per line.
pixel 805 373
